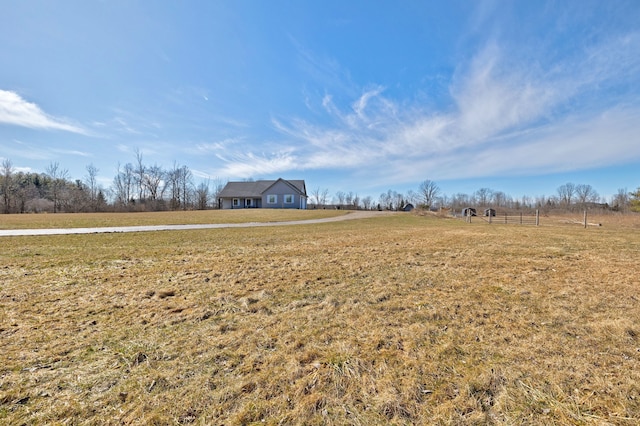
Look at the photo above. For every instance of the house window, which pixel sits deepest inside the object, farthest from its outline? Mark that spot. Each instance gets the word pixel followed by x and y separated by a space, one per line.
pixel 247 202
pixel 272 199
pixel 236 202
pixel 288 199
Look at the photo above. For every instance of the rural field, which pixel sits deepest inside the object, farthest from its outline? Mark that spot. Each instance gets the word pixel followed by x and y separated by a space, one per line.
pixel 75 220
pixel 399 319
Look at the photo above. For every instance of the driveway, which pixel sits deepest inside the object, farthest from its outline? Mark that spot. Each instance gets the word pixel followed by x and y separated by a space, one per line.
pixel 111 229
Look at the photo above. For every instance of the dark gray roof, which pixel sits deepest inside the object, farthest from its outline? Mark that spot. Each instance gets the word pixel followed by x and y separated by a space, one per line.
pixel 245 189
pixel 257 188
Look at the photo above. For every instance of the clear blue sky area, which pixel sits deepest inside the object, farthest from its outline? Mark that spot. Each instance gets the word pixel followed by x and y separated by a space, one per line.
pixel 361 96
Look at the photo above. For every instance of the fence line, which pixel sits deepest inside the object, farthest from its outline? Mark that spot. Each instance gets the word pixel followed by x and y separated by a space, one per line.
pixel 506 219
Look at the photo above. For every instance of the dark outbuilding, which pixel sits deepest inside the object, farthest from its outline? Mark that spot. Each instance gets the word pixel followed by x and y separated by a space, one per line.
pixel 469 211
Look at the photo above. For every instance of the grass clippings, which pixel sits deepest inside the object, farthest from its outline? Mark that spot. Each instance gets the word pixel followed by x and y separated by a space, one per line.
pixel 394 320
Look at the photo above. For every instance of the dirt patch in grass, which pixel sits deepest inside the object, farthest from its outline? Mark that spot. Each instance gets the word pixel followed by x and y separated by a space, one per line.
pixel 401 319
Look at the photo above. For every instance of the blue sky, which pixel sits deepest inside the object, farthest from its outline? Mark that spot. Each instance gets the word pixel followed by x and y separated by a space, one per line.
pixel 362 96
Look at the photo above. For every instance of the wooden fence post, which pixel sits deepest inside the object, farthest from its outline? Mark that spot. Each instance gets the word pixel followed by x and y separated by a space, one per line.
pixel 537 217
pixel 585 218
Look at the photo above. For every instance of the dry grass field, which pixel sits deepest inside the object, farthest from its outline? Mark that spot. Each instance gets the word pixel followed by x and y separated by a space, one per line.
pixel 75 220
pixel 402 319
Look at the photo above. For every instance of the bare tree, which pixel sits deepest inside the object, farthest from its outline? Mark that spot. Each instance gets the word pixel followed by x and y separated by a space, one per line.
pixel 314 198
pixel 460 201
pixel 152 180
pixel 202 195
pixel 355 202
pixel 499 199
pixel 483 196
pixel 320 196
pixel 348 198
pixel 443 200
pixel 173 182
pixel 123 184
pixel 58 182
pixel 385 200
pixel 324 197
pixel 139 174
pixel 91 182
pixel 180 181
pixel 6 185
pixel 398 198
pixel 620 201
pixel 586 194
pixel 340 196
pixel 428 191
pixel 367 202
pixel 566 193
pixel 391 200
pixel 217 187
pixel 186 181
pixel 413 197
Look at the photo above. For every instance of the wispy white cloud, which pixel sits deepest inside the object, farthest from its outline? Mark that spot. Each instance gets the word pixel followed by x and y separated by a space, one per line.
pixel 217 146
pixel 201 174
pixel 26 151
pixel 492 96
pixel 323 69
pixel 67 152
pixel 122 125
pixel 30 151
pixel 252 165
pixel 507 115
pixel 131 123
pixel 614 58
pixel 360 105
pixel 570 144
pixel 14 110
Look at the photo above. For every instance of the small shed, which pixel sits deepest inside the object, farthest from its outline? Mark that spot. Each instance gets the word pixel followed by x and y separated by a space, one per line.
pixel 407 207
pixel 490 212
pixel 469 211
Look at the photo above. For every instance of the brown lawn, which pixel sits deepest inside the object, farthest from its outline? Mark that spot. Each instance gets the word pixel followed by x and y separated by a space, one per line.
pixel 402 319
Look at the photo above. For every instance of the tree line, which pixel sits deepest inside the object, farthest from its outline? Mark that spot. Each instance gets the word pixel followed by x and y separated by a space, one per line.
pixel 142 187
pixel 568 197
pixel 136 187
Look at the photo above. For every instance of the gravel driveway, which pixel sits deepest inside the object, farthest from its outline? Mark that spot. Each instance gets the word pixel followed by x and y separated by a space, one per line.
pixel 109 229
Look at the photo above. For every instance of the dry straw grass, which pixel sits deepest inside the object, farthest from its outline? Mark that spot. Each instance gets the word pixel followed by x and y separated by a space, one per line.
pixel 76 220
pixel 395 320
